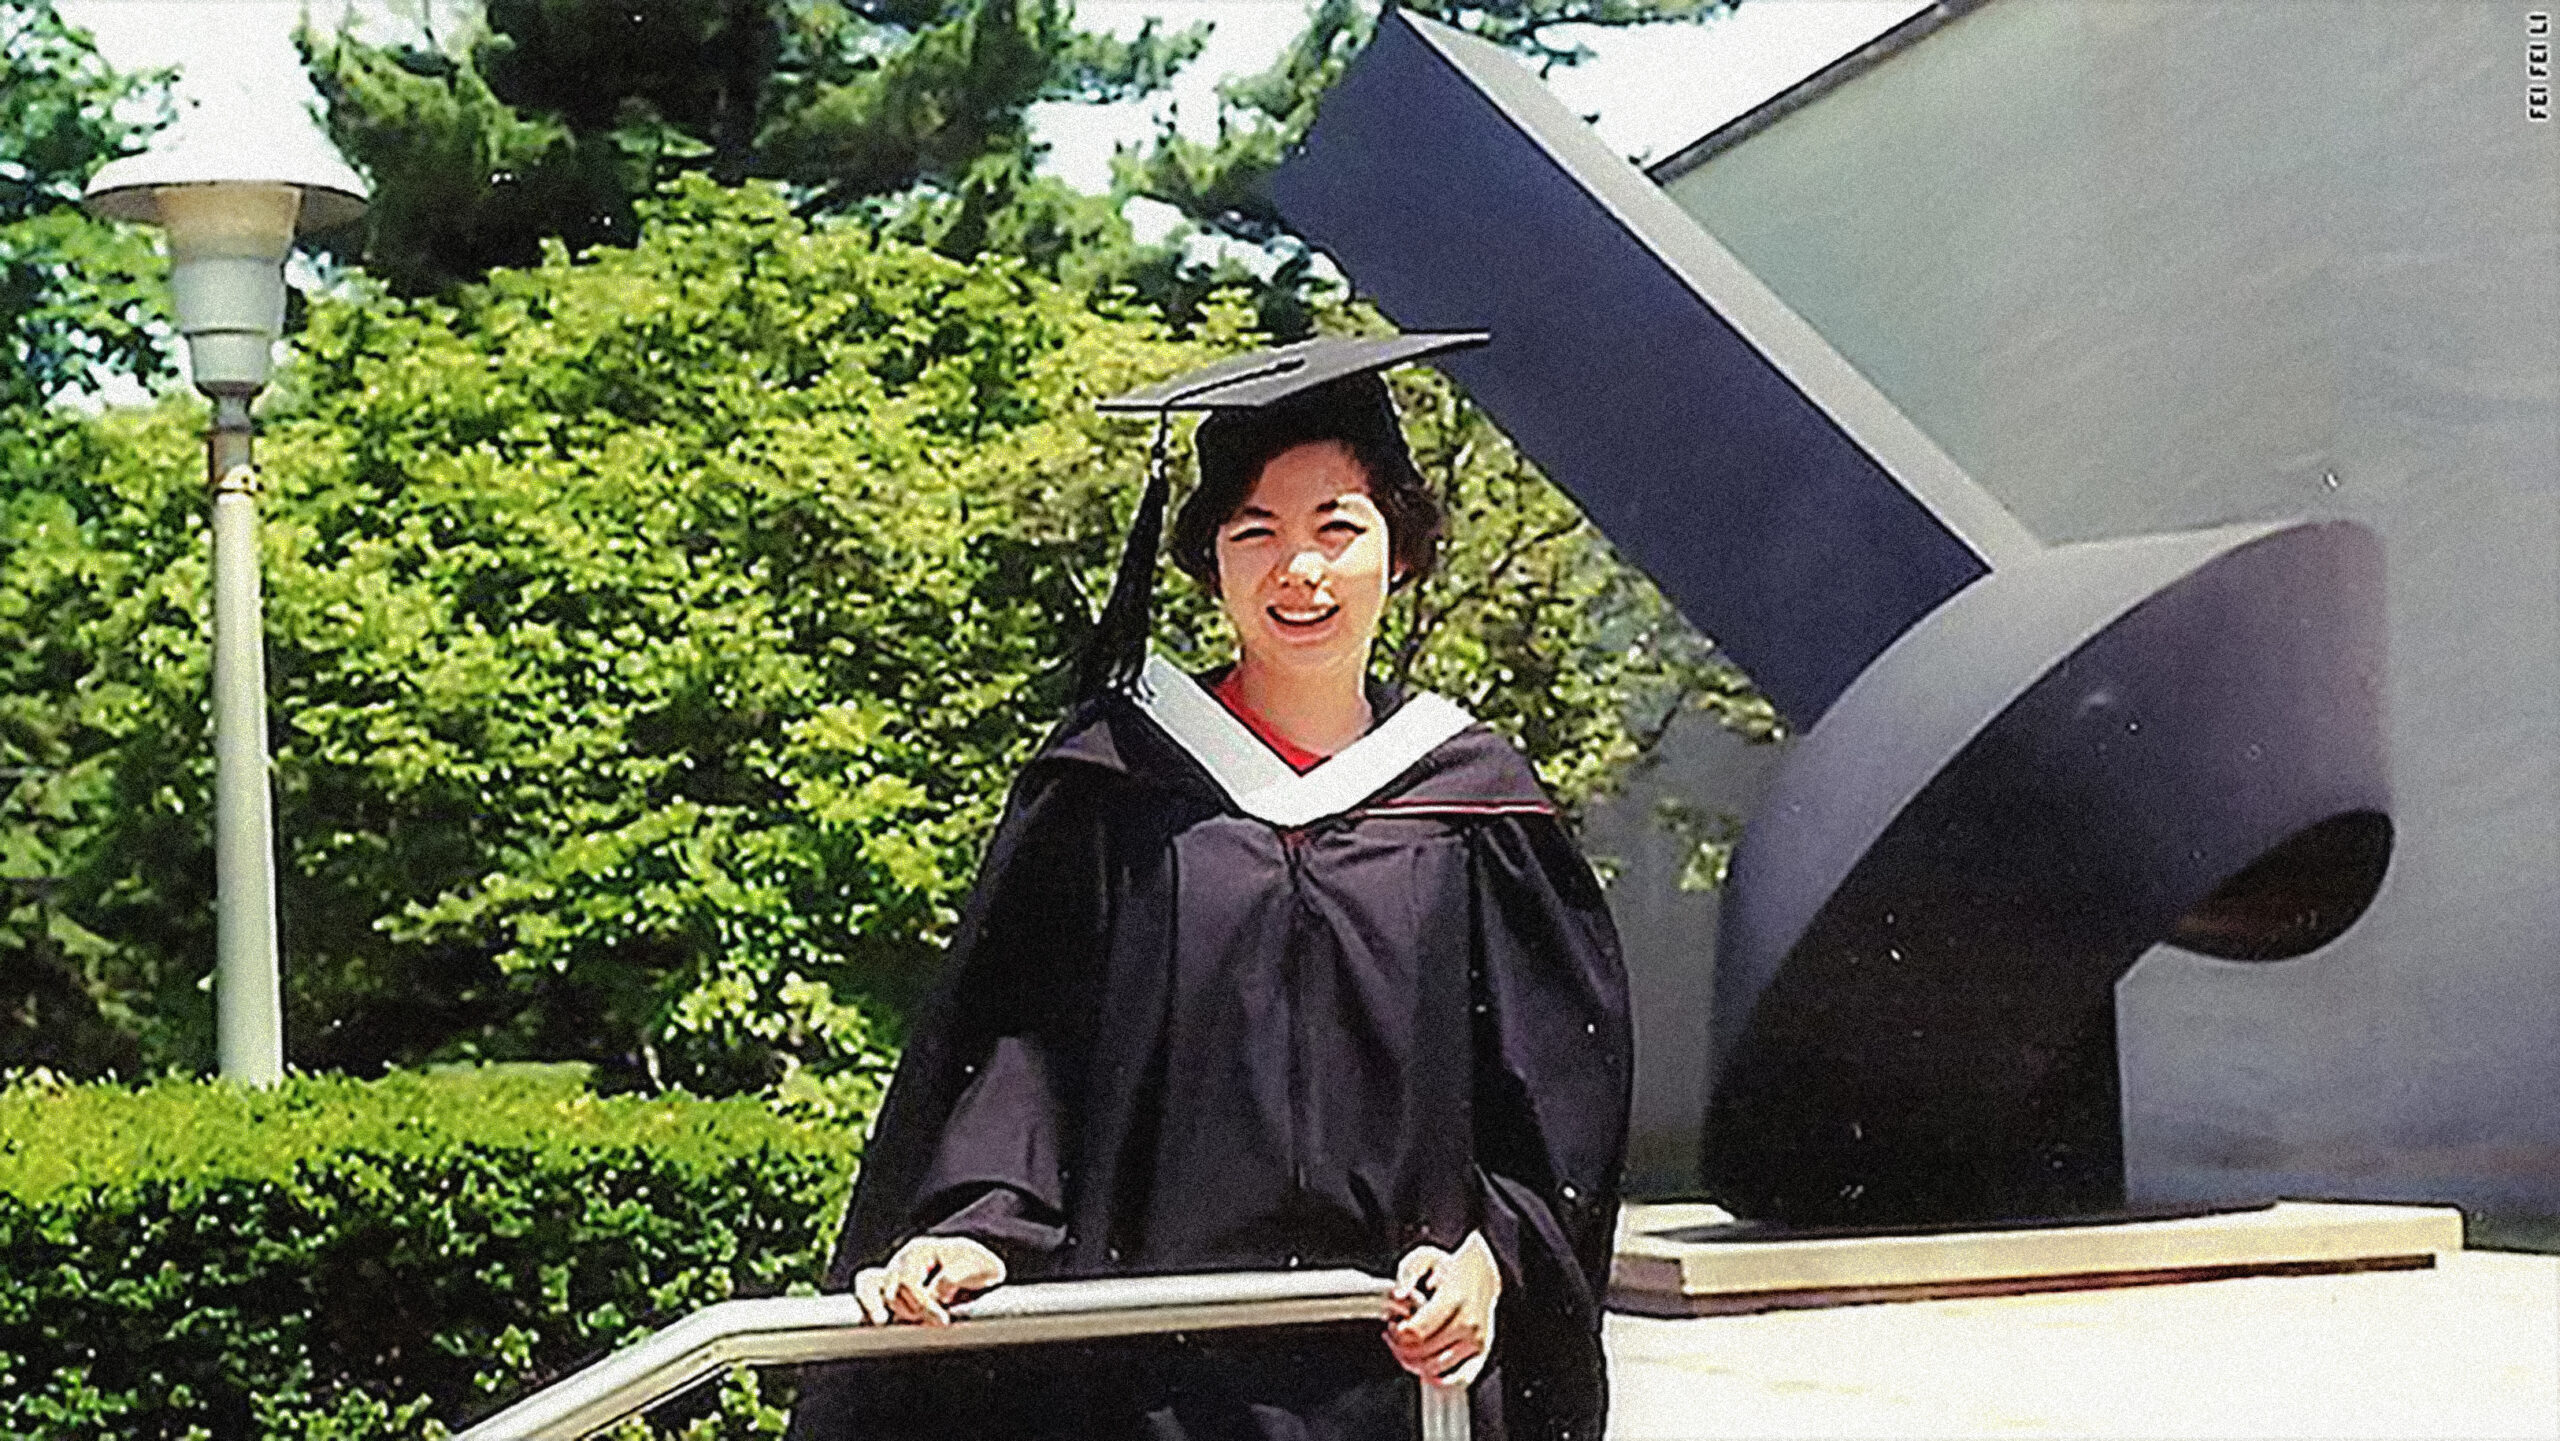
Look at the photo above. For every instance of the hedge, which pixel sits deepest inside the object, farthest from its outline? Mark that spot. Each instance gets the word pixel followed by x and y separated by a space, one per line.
pixel 339 1259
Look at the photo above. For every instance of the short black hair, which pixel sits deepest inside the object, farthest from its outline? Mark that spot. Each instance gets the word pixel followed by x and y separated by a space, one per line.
pixel 1234 445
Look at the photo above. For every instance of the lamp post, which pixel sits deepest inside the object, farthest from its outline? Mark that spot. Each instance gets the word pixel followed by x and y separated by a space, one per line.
pixel 233 184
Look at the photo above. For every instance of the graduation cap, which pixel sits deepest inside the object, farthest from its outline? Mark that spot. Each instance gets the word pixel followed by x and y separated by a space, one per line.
pixel 1325 388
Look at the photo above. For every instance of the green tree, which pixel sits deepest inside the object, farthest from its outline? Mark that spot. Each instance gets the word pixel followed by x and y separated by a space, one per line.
pixel 555 118
pixel 77 313
pixel 652 635
pixel 1218 185
pixel 75 294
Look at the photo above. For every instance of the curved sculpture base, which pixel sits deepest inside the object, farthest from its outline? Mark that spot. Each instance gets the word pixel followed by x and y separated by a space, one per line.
pixel 2198 756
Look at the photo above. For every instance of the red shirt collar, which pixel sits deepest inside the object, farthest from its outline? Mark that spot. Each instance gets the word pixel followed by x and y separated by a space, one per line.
pixel 1231 695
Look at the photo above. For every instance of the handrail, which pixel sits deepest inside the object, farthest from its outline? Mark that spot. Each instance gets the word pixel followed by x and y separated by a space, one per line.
pixel 789 1330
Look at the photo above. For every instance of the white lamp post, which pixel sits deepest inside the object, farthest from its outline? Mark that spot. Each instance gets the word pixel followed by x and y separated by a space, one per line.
pixel 233 184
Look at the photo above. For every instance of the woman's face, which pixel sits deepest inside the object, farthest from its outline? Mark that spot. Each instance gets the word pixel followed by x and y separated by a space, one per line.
pixel 1303 564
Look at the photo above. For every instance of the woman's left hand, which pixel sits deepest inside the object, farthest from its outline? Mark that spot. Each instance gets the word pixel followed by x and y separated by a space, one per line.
pixel 1445 1303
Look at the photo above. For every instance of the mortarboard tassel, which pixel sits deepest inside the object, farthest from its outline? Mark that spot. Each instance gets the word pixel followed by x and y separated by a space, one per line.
pixel 1117 650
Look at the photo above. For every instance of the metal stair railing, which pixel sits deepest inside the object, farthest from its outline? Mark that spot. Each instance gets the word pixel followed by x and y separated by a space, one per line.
pixel 790 1330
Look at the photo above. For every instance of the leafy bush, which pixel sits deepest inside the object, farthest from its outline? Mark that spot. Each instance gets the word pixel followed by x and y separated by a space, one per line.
pixel 341 1259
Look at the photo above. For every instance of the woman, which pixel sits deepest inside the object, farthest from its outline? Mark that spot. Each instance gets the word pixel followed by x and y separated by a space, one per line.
pixel 1270 968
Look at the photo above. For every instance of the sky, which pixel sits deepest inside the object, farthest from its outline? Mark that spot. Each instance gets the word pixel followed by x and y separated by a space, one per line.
pixel 1652 90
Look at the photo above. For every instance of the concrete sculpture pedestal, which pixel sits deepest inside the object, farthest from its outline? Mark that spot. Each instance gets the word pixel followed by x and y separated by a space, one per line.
pixel 1693 1259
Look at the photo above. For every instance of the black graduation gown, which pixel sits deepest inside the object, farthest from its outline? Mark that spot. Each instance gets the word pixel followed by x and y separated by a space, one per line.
pixel 1205 1013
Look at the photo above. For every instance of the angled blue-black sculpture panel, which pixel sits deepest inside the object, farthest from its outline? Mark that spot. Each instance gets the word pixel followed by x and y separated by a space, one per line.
pixel 2017 768
pixel 1665 409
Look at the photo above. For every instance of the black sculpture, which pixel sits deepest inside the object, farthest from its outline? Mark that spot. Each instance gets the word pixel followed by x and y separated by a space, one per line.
pixel 2018 766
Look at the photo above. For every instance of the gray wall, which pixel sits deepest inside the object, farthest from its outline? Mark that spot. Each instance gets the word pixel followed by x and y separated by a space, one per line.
pixel 1668 935
pixel 2149 264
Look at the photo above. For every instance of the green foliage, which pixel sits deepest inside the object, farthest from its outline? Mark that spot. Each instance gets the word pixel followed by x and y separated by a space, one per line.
pixel 463 182
pixel 75 294
pixel 78 310
pixel 90 558
pixel 1220 183
pixel 1545 30
pixel 1708 838
pixel 552 120
pixel 335 1260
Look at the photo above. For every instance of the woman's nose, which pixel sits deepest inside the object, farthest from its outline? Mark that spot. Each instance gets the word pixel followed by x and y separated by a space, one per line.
pixel 1307 567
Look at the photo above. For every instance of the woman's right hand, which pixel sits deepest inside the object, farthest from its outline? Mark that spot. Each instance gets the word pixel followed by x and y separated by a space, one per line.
pixel 928 1273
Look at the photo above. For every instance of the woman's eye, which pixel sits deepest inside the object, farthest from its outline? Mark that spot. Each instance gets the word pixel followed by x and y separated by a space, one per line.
pixel 1345 527
pixel 1253 532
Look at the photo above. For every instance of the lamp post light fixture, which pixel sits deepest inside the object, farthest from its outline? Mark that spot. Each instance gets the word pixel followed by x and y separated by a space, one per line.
pixel 233 183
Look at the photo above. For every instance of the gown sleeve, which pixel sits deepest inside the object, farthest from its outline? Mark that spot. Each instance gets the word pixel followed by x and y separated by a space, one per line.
pixel 969 1137
pixel 1552 1084
pixel 995 1176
